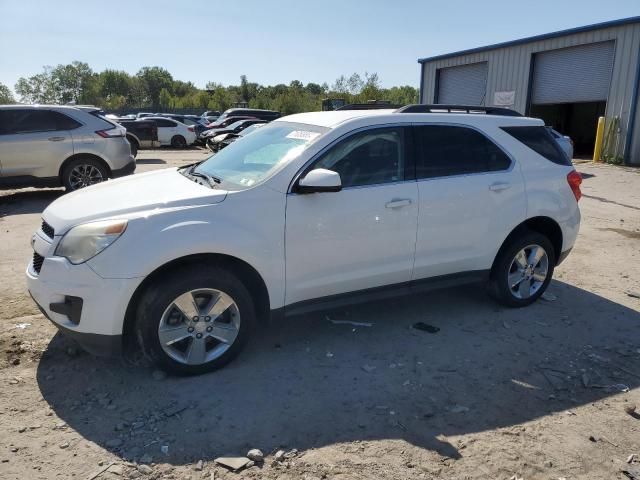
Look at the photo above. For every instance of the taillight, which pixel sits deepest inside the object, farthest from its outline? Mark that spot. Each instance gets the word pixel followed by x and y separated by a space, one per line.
pixel 191 129
pixel 574 179
pixel 111 133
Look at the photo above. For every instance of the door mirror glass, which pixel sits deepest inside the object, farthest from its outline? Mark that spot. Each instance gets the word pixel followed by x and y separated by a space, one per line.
pixel 320 180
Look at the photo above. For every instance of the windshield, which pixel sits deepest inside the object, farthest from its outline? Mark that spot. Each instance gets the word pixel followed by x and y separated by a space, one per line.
pixel 255 157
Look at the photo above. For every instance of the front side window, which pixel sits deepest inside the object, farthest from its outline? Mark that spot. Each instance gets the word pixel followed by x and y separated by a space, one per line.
pixel 452 150
pixel 367 158
pixel 256 157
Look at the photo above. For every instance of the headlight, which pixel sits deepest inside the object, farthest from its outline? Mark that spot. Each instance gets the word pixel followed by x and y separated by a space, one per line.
pixel 86 241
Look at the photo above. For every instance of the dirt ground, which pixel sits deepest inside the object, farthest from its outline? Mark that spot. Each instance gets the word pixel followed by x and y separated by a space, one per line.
pixel 536 393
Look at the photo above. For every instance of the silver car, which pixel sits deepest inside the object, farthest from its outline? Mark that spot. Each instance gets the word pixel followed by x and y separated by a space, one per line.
pixel 51 145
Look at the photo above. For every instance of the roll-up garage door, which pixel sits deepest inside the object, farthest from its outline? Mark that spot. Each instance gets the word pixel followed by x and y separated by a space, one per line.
pixel 464 85
pixel 574 74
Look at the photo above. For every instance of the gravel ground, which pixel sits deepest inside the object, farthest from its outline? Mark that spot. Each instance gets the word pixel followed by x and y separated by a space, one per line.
pixel 538 393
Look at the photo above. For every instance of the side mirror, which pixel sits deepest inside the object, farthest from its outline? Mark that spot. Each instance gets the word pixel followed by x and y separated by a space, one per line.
pixel 319 180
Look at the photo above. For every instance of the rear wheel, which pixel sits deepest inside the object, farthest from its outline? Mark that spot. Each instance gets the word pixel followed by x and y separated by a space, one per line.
pixel 522 270
pixel 178 141
pixel 195 320
pixel 83 172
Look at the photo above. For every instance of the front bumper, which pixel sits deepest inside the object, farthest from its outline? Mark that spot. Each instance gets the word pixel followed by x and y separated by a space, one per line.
pixel 96 344
pixel 95 306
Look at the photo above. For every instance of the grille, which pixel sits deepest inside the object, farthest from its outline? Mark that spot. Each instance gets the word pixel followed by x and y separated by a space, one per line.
pixel 48 229
pixel 37 262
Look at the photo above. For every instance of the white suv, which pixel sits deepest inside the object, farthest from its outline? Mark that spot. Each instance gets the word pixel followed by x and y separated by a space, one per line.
pixel 54 145
pixel 310 211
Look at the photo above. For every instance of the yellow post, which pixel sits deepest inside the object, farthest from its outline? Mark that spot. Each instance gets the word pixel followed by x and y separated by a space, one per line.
pixel 597 149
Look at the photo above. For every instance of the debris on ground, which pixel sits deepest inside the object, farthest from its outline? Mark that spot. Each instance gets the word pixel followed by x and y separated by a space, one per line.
pixel 458 409
pixel 368 368
pixel 232 463
pixel 632 472
pixel 349 322
pixel 548 296
pixel 424 327
pixel 255 454
pixel 199 466
pixel 632 294
pixel 631 458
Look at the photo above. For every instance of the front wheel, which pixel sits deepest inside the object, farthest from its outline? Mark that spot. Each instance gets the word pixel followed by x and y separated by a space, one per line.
pixel 522 270
pixel 194 320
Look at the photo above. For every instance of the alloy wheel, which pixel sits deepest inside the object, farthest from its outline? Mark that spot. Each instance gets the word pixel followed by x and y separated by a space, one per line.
pixel 199 326
pixel 528 271
pixel 84 175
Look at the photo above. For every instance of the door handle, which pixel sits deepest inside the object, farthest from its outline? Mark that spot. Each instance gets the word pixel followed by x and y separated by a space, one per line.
pixel 55 139
pixel 398 203
pixel 499 186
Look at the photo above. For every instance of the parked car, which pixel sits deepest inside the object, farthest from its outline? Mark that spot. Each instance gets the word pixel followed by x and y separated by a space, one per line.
pixel 189 120
pixel 174 133
pixel 217 126
pixel 210 113
pixel 52 146
pixel 267 115
pixel 565 142
pixel 235 127
pixel 145 114
pixel 223 140
pixel 140 133
pixel 361 204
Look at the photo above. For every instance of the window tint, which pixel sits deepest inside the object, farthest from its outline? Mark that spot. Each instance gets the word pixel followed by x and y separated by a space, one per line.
pixel 25 121
pixel 367 158
pixel 448 150
pixel 164 123
pixel 540 140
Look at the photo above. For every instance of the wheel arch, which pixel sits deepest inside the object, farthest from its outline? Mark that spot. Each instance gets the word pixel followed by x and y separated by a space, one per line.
pixel 246 273
pixel 77 156
pixel 546 226
pixel 133 138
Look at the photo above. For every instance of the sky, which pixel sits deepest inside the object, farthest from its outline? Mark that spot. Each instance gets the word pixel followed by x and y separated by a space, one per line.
pixel 273 41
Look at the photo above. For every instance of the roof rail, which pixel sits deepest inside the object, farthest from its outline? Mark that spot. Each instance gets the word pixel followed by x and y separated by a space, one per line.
pixel 368 106
pixel 479 109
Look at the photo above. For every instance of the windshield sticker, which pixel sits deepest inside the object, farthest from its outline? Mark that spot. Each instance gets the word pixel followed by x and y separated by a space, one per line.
pixel 303 135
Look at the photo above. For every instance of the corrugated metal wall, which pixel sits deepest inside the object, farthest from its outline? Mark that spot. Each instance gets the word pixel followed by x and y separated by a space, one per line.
pixel 509 70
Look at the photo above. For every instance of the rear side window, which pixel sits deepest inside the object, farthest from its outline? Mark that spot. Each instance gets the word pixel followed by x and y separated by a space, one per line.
pixel 27 121
pixel 451 150
pixel 541 141
pixel 164 123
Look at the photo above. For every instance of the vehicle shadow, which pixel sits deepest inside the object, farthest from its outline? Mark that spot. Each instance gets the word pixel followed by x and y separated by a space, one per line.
pixel 27 201
pixel 305 382
pixel 150 161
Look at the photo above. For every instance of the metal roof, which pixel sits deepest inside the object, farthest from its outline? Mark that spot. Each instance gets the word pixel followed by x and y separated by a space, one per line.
pixel 535 38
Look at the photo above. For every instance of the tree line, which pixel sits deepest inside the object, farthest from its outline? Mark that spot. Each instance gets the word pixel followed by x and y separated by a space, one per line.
pixel 156 89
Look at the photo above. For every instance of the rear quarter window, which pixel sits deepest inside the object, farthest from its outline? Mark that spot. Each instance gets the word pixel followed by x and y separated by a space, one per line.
pixel 540 140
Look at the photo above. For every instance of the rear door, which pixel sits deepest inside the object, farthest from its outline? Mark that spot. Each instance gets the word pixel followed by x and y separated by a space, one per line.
pixel 471 196
pixel 34 142
pixel 166 130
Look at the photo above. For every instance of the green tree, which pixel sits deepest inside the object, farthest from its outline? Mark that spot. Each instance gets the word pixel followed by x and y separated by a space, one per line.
pixel 69 81
pixel 39 88
pixel 155 79
pixel 6 97
pixel 165 98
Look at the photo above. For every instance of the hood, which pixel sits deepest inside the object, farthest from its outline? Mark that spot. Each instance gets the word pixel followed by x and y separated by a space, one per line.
pixel 159 189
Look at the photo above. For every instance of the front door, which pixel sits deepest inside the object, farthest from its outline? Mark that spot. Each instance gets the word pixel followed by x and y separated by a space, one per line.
pixel 362 236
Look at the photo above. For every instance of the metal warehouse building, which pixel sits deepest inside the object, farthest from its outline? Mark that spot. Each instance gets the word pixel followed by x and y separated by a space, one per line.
pixel 567 78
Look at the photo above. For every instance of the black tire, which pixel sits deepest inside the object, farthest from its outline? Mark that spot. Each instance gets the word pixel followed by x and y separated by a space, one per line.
pixel 178 141
pixel 505 263
pixel 70 169
pixel 160 295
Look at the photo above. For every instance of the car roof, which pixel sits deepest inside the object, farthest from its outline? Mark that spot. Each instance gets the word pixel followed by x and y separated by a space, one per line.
pixel 333 119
